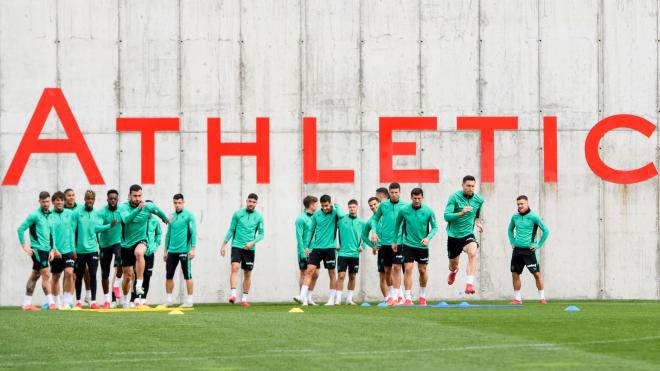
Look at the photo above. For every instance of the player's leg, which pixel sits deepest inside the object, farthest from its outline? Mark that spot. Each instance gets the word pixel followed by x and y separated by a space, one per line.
pixel 148 271
pixel 310 274
pixel 247 264
pixel 127 262
pixel 302 265
pixel 69 285
pixel 106 261
pixel 342 267
pixel 79 271
pixel 540 286
pixel 454 250
pixel 397 265
pixel 534 268
pixel 353 267
pixel 92 266
pixel 471 250
pixel 170 268
pixel 30 286
pixel 515 276
pixel 140 250
pixel 56 268
pixel 423 281
pixel 88 293
pixel 186 268
pixel 116 286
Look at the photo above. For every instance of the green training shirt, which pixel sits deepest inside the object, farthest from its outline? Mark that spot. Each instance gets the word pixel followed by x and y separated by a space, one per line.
pixel 154 234
pixel 86 224
pixel 181 232
pixel 113 235
pixel 350 236
pixel 461 226
pixel 386 216
pixel 369 225
pixel 323 230
pixel 134 222
pixel 62 230
pixel 415 224
pixel 303 229
pixel 525 226
pixel 245 226
pixel 40 230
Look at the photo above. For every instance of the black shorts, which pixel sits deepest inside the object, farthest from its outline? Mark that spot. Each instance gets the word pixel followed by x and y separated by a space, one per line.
pixel 106 258
pixel 390 257
pixel 58 265
pixel 524 257
pixel 128 254
pixel 173 259
pixel 379 260
pixel 345 263
pixel 245 257
pixel 455 245
pixel 327 255
pixel 302 263
pixel 415 254
pixel 39 260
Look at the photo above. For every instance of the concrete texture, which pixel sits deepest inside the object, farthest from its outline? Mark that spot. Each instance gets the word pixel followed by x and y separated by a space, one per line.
pixel 348 63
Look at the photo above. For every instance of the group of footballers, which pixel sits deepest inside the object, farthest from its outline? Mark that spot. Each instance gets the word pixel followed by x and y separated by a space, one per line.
pixel 71 239
pixel 399 233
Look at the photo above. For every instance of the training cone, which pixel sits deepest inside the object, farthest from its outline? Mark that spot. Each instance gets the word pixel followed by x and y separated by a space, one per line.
pixel 442 304
pixel 176 311
pixel 382 305
pixel 572 308
pixel 160 307
pixel 76 308
pixel 296 310
pixel 464 304
pixel 365 305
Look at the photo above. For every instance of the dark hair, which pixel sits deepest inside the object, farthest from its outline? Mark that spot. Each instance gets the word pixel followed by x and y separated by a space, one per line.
pixel 352 202
pixel 178 196
pixel 373 199
pixel 68 190
pixel 111 192
pixel 468 178
pixel 309 201
pixel 43 194
pixel 325 198
pixel 58 195
pixel 135 188
pixel 417 192
pixel 395 186
pixel 253 196
pixel 148 201
pixel 522 197
pixel 384 191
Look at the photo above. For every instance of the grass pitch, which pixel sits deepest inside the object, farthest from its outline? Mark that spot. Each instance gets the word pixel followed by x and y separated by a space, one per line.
pixel 603 335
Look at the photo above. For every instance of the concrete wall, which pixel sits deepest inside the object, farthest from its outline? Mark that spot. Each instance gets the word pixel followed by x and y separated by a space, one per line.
pixel 347 63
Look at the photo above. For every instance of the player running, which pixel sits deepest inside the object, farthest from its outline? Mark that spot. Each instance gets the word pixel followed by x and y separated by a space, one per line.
pixel 384 279
pixel 154 233
pixel 321 246
pixel 303 225
pixel 135 217
pixel 71 204
pixel 86 225
pixel 38 249
pixel 62 256
pixel 462 214
pixel 416 225
pixel 110 242
pixel 524 241
pixel 245 231
pixel 180 243
pixel 392 257
pixel 350 242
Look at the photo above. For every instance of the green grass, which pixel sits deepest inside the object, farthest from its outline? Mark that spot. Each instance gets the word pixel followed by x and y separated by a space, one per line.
pixel 603 335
